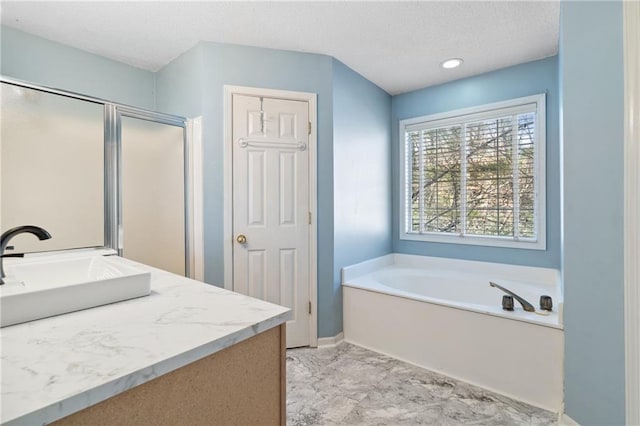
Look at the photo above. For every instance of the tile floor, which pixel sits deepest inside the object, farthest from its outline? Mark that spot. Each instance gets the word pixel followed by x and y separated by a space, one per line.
pixel 349 385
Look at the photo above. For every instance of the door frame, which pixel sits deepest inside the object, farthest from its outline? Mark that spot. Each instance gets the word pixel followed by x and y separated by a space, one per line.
pixel 311 99
pixel 631 34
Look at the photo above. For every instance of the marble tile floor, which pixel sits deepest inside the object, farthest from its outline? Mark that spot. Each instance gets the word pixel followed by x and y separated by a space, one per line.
pixel 349 385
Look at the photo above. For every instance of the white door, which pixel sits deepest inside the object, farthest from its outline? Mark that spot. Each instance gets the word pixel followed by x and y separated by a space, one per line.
pixel 271 206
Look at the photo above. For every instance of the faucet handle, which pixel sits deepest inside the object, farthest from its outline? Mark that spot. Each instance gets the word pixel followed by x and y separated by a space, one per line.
pixel 507 302
pixel 546 303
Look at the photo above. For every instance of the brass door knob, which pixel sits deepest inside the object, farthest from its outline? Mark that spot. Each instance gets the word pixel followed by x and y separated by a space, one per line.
pixel 241 239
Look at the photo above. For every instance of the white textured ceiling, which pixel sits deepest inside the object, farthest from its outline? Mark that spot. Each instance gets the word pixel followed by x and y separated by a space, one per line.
pixel 397 45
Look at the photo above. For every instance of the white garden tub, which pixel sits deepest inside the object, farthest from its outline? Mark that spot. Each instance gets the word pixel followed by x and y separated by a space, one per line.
pixel 441 314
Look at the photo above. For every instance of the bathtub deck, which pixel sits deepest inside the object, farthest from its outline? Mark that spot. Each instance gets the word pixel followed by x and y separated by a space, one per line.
pixel 349 385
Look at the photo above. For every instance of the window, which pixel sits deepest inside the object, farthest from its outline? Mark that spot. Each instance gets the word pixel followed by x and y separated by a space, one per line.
pixel 476 176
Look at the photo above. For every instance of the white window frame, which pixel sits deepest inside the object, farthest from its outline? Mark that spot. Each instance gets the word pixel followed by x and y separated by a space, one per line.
pixel 481 112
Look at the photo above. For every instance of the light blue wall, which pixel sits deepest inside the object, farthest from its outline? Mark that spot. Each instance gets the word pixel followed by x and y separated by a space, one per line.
pixel 362 175
pixel 192 85
pixel 592 108
pixel 37 60
pixel 223 64
pixel 226 64
pixel 591 80
pixel 179 84
pixel 508 83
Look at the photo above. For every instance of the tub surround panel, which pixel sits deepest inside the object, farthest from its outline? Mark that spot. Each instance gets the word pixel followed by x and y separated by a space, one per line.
pixel 57 366
pixel 442 315
pixel 461 284
pixel 520 360
pixel 348 273
pixel 494 270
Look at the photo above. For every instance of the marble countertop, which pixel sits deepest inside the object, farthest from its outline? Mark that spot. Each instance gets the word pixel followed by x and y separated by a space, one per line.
pixel 56 366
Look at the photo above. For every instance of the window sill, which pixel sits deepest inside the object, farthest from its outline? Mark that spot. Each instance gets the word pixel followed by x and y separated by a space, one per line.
pixel 539 244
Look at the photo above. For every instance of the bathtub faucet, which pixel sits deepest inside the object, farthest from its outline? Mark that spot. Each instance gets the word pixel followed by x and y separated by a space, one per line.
pixel 525 305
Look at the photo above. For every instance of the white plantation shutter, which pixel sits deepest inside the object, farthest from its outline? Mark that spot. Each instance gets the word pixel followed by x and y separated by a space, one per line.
pixel 435 176
pixel 476 176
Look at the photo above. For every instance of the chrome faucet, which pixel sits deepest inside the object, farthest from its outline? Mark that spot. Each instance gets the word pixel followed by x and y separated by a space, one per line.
pixel 6 236
pixel 525 305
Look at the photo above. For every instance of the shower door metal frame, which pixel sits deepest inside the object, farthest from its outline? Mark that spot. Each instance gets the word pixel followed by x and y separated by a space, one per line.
pixel 113 113
pixel 117 112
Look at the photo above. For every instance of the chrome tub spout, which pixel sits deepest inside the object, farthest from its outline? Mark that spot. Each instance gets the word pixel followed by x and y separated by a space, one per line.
pixel 525 305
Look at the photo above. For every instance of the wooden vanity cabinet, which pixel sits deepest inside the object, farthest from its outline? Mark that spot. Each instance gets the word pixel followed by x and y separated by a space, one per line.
pixel 243 384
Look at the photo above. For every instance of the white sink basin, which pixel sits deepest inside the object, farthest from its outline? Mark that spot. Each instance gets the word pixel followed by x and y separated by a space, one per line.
pixel 37 289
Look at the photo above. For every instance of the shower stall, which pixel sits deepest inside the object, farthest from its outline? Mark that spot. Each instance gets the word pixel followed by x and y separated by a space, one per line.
pixel 96 174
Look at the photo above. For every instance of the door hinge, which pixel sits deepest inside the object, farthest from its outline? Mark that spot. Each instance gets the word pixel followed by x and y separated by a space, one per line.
pixel 309 218
pixel 309 307
pixel 309 128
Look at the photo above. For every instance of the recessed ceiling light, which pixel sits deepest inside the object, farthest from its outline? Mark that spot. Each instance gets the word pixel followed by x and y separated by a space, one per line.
pixel 451 63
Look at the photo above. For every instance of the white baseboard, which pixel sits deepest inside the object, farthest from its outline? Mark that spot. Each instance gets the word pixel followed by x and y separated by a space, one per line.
pixel 565 420
pixel 327 342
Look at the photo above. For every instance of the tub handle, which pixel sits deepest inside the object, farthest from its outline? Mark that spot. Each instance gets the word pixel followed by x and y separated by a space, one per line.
pixel 525 305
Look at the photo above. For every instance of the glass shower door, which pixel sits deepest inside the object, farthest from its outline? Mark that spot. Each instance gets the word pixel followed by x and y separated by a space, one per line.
pixel 51 168
pixel 152 200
